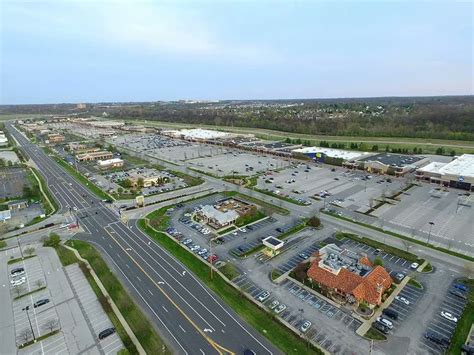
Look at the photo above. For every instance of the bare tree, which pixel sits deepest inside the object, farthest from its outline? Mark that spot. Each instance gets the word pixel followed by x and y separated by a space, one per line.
pixel 25 335
pixel 51 324
pixel 407 244
pixel 39 283
pixel 18 290
pixel 29 251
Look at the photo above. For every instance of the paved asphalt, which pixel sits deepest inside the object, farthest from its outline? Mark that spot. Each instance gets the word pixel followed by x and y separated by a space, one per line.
pixel 190 316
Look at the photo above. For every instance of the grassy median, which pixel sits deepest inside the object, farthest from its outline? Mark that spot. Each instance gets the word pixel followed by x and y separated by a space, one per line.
pixel 465 322
pixel 276 332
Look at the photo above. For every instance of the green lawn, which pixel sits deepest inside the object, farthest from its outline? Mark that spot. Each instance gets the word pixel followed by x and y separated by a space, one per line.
pixel 464 323
pixel 137 321
pixel 415 283
pixel 17 260
pixel 230 271
pixel 269 206
pixel 266 324
pixel 3 244
pixel 374 334
pixel 244 220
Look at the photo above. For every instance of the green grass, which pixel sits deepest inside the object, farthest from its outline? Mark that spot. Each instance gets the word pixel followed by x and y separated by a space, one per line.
pixel 377 245
pixel 29 293
pixel 158 219
pixel 275 274
pixel 38 339
pixel 66 256
pixel 44 186
pixel 401 236
pixel 266 324
pixel 17 260
pixel 415 283
pixel 244 220
pixel 374 334
pixel 227 230
pixel 230 271
pixel 137 321
pixel 3 244
pixel 464 323
pixel 428 268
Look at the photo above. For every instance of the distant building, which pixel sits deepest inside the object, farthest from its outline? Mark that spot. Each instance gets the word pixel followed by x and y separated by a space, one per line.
pixel 91 156
pixel 394 164
pixel 17 205
pixel 458 173
pixel 110 163
pixel 55 138
pixel 349 275
pixel 3 140
pixel 319 153
pixel 217 219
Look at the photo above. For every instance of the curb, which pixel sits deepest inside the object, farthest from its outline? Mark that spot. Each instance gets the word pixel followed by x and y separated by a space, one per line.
pixel 121 319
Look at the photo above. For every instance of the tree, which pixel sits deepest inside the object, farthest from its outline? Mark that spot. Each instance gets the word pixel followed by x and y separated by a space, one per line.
pixel 25 335
pixel 53 241
pixel 140 182
pixel 378 261
pixel 51 324
pixel 19 290
pixel 29 251
pixel 314 222
pixel 120 190
pixel 39 283
pixel 127 183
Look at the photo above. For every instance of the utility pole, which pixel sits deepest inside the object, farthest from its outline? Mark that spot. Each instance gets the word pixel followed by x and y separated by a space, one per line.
pixel 27 308
pixel 211 258
pixel 19 246
pixel 429 234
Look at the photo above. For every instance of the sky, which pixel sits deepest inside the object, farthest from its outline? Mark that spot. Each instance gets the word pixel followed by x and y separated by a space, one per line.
pixel 103 51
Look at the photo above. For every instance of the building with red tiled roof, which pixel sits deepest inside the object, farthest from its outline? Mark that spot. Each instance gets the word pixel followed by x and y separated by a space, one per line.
pixel 343 272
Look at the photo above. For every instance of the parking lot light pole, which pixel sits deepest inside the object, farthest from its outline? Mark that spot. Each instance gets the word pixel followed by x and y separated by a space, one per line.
pixel 29 321
pixel 19 247
pixel 429 234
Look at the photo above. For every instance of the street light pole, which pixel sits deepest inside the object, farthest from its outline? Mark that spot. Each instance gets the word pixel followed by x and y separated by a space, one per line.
pixel 429 234
pixel 29 321
pixel 19 247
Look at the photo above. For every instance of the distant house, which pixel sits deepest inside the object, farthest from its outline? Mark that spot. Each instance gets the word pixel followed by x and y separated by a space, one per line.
pixel 5 215
pixel 349 275
pixel 100 155
pixel 110 163
pixel 17 205
pixel 217 219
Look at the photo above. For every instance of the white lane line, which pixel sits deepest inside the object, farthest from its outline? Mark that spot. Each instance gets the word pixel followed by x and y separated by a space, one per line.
pixel 151 293
pixel 179 325
pixel 164 309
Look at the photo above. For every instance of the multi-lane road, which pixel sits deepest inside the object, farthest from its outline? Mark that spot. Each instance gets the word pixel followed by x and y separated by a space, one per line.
pixel 187 314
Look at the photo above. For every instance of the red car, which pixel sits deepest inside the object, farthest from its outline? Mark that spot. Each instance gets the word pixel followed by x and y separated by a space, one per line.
pixel 213 258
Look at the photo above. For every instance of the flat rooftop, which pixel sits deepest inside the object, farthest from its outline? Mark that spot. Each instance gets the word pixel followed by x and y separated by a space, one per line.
pixel 433 167
pixel 198 133
pixel 462 166
pixel 393 159
pixel 333 153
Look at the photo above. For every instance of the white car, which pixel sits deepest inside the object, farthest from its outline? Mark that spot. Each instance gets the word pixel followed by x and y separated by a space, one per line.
pixel 202 251
pixel 449 316
pixel 385 322
pixel 280 308
pixel 18 282
pixel 402 299
pixel 274 304
pixel 305 326
pixel 263 296
pixel 23 278
pixel 414 266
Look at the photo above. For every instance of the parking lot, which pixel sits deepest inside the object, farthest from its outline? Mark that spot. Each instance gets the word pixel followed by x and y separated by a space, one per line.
pixel 238 163
pixel 451 212
pixel 56 301
pixel 408 293
pixel 298 257
pixel 12 181
pixel 93 310
pixel 441 326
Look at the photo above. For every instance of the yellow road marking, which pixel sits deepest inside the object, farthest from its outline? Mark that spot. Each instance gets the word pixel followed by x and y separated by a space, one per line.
pixel 214 344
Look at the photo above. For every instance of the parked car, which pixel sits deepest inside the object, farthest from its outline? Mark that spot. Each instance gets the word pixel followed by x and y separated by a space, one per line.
pixel 385 322
pixel 18 282
pixel 458 293
pixel 17 271
pixel 436 338
pixel 377 251
pixel 461 287
pixel 202 251
pixel 402 299
pixel 263 296
pixel 390 313
pixel 41 302
pixel 380 327
pixel 305 326
pixel 249 352
pixel 212 258
pixel 304 255
pixel 274 304
pixel 105 333
pixel 449 316
pixel 414 266
pixel 280 308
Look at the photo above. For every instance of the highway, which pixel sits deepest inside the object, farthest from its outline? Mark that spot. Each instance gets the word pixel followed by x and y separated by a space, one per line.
pixel 190 317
